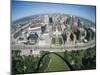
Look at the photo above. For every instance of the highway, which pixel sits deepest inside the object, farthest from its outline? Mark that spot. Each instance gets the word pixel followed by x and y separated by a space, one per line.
pixel 53 49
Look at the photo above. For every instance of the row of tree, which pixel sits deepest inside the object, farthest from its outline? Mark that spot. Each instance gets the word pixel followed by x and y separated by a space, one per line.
pixel 27 64
pixel 82 59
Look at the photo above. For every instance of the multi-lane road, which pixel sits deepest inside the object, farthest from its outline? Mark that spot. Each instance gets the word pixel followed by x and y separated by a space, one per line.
pixel 53 49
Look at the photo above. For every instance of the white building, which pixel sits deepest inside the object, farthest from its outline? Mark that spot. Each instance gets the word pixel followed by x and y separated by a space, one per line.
pixel 46 19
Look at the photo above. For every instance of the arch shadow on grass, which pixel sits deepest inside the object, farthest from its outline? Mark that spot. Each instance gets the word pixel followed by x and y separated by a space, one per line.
pixel 66 62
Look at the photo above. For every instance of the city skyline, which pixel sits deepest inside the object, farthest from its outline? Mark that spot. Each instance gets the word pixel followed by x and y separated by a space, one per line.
pixel 63 33
pixel 21 9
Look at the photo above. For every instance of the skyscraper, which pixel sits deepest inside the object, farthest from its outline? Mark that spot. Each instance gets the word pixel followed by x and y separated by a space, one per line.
pixel 74 24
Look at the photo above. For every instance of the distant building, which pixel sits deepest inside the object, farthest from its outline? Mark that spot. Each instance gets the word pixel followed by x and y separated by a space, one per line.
pixel 71 39
pixel 77 34
pixel 33 37
pixel 50 20
pixel 46 19
pixel 43 28
pixel 57 38
pixel 90 34
pixel 35 27
pixel 83 33
pixel 74 24
pixel 24 35
pixel 79 23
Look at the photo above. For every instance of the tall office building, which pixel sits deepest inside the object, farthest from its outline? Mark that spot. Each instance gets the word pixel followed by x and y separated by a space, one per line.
pixel 74 23
pixel 50 20
pixel 46 19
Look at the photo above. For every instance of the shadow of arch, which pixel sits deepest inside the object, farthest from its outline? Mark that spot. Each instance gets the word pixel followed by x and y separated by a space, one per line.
pixel 66 62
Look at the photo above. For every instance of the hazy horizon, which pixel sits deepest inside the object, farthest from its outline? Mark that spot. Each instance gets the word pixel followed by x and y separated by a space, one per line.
pixel 21 9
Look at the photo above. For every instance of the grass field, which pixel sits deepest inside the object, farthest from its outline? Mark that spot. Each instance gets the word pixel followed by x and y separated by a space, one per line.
pixel 56 64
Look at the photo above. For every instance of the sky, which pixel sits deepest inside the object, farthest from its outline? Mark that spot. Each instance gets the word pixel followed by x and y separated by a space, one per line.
pixel 22 9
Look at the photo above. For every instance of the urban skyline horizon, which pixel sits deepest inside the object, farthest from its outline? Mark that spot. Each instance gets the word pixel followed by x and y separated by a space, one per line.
pixel 22 9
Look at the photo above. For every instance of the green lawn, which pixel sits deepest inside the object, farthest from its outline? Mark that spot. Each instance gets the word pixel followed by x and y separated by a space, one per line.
pixel 56 64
